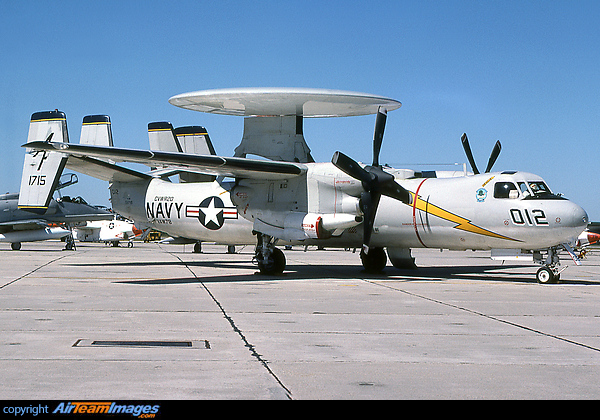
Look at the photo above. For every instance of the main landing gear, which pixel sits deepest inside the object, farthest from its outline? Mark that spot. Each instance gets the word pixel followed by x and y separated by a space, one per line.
pixel 374 261
pixel 270 260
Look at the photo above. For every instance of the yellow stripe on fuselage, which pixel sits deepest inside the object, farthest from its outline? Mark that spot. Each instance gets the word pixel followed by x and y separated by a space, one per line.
pixel 461 222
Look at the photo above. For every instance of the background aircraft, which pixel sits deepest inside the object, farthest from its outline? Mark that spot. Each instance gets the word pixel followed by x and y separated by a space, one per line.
pixel 54 222
pixel 108 231
pixel 346 204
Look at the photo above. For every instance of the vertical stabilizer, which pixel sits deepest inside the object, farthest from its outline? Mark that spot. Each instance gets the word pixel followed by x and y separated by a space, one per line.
pixel 162 138
pixel 190 139
pixel 96 131
pixel 42 170
pixel 195 140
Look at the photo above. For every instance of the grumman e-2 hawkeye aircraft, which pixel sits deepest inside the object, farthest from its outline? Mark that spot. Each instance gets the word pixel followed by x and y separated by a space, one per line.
pixel 292 198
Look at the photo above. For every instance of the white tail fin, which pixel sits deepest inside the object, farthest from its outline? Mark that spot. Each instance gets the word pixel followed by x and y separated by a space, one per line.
pixel 96 131
pixel 162 138
pixel 194 139
pixel 42 170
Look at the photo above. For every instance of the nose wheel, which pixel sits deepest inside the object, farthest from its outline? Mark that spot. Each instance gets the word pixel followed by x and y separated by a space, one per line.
pixel 546 275
pixel 549 272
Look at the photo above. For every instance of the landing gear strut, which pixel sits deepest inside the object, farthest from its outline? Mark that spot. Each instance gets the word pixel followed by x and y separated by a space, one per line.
pixel 550 271
pixel 270 260
pixel 70 243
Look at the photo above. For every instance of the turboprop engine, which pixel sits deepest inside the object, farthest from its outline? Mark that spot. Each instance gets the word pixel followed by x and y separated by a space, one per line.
pixel 298 226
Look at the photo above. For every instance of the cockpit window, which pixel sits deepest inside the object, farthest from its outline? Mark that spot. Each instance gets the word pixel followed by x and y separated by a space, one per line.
pixel 505 190
pixel 523 188
pixel 539 190
pixel 539 187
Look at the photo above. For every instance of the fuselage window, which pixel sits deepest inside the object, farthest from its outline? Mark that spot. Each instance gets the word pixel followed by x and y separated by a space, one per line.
pixel 505 190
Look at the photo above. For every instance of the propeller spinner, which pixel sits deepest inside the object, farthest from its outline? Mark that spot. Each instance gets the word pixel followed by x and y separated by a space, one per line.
pixel 375 181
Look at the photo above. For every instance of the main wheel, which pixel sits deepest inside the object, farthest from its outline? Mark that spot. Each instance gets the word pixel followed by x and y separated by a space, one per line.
pixel 374 261
pixel 545 275
pixel 15 246
pixel 275 264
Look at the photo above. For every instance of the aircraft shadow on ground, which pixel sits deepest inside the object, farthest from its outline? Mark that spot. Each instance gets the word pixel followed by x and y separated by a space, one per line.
pixel 247 272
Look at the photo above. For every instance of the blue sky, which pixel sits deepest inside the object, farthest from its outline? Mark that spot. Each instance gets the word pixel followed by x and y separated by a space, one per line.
pixel 524 72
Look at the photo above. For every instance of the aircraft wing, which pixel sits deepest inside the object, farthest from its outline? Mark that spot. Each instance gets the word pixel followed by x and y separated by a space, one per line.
pixel 209 164
pixel 28 224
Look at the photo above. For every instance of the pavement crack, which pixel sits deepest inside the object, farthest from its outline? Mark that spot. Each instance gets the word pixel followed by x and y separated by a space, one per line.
pixel 32 271
pixel 239 332
pixel 471 311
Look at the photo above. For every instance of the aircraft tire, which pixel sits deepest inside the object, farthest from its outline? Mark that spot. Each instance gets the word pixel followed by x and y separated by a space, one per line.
pixel 374 261
pixel 15 246
pixel 275 267
pixel 545 275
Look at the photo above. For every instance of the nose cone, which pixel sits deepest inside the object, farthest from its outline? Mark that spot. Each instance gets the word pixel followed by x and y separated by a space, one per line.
pixel 574 219
pixel 580 218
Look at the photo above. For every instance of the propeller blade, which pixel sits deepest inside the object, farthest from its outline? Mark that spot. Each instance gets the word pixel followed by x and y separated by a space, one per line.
pixel 493 156
pixel 378 134
pixel 351 167
pixel 396 191
pixel 387 185
pixel 465 143
pixel 369 201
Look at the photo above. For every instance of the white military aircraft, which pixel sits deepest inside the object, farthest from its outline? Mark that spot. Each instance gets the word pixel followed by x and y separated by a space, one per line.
pixel 347 204
pixel 108 231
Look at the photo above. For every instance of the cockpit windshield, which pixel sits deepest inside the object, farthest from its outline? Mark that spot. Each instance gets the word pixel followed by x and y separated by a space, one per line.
pixel 540 190
pixel 526 190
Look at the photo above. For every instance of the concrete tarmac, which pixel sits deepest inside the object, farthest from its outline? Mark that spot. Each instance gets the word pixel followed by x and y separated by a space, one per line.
pixel 160 322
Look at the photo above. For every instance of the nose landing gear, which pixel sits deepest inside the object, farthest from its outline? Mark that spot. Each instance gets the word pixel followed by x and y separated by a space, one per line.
pixel 550 271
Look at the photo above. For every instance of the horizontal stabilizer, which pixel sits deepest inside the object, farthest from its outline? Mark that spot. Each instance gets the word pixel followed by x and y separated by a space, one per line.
pixel 213 165
pixel 106 171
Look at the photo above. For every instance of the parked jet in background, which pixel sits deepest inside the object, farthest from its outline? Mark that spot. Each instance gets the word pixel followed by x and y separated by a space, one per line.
pixel 108 231
pixel 17 225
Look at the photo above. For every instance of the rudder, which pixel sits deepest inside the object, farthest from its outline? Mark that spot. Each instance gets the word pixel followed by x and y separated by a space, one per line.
pixel 42 170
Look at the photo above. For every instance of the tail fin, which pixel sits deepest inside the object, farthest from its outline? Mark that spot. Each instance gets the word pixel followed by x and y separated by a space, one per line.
pixel 42 170
pixel 194 139
pixel 96 131
pixel 162 138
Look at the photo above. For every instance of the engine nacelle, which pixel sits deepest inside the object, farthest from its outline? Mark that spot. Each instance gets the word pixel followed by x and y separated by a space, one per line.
pixel 298 226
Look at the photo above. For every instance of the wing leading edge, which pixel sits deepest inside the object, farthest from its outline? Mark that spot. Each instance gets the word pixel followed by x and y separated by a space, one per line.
pixel 209 164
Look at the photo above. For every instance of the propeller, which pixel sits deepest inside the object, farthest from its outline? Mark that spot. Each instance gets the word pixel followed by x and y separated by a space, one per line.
pixel 375 181
pixel 492 159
